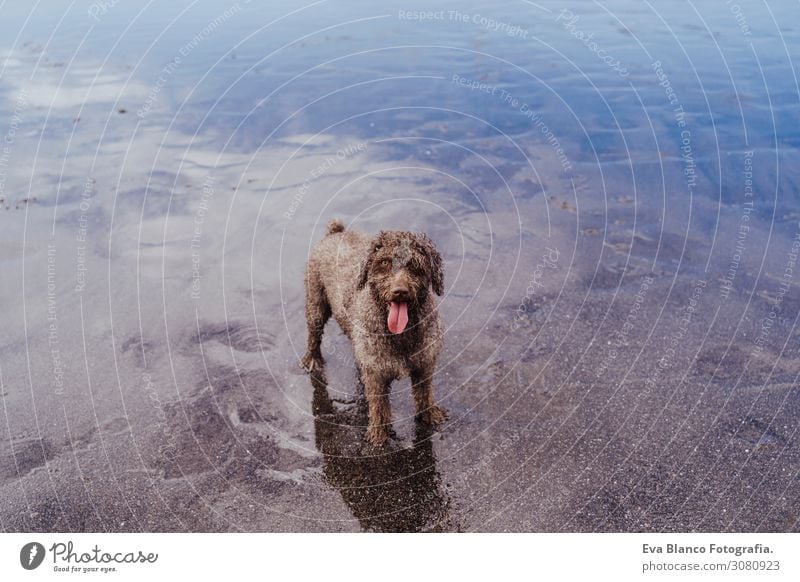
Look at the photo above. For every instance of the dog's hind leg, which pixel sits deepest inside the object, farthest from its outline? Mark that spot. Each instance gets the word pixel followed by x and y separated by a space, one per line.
pixel 318 311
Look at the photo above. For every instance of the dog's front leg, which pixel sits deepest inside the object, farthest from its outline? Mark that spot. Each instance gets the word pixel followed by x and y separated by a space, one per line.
pixel 427 409
pixel 376 389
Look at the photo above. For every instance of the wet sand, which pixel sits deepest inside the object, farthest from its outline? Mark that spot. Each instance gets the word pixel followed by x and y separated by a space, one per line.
pixel 606 366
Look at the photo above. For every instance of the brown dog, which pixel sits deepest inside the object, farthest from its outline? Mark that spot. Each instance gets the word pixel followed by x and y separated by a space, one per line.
pixel 378 290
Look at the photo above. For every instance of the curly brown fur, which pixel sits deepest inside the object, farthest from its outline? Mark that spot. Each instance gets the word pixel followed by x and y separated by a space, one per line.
pixel 356 278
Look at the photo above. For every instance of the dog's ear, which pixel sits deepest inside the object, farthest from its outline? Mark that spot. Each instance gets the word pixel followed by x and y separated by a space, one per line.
pixel 435 261
pixel 366 264
pixel 364 274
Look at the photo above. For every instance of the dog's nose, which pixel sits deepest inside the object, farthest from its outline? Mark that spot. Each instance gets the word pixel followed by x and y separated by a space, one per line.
pixel 400 293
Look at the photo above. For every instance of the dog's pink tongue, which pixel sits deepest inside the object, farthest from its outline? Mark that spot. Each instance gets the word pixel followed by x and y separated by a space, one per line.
pixel 398 317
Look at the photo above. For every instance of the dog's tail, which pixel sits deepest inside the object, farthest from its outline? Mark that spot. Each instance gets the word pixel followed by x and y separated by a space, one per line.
pixel 335 226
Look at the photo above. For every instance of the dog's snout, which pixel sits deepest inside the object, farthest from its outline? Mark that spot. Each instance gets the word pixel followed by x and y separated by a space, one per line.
pixel 400 288
pixel 400 293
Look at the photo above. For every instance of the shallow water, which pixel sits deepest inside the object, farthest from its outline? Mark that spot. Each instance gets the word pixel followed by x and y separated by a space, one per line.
pixel 612 187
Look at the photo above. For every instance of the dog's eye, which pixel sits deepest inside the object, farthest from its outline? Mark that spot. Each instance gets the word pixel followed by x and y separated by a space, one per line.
pixel 416 269
pixel 385 264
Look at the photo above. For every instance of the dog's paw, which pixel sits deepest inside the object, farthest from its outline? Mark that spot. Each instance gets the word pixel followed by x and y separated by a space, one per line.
pixel 434 416
pixel 311 363
pixel 377 435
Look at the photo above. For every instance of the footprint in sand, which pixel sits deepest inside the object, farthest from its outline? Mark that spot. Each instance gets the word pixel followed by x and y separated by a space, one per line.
pixel 564 205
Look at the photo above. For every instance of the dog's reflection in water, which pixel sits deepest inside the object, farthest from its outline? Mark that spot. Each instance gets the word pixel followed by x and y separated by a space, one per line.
pixel 390 489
